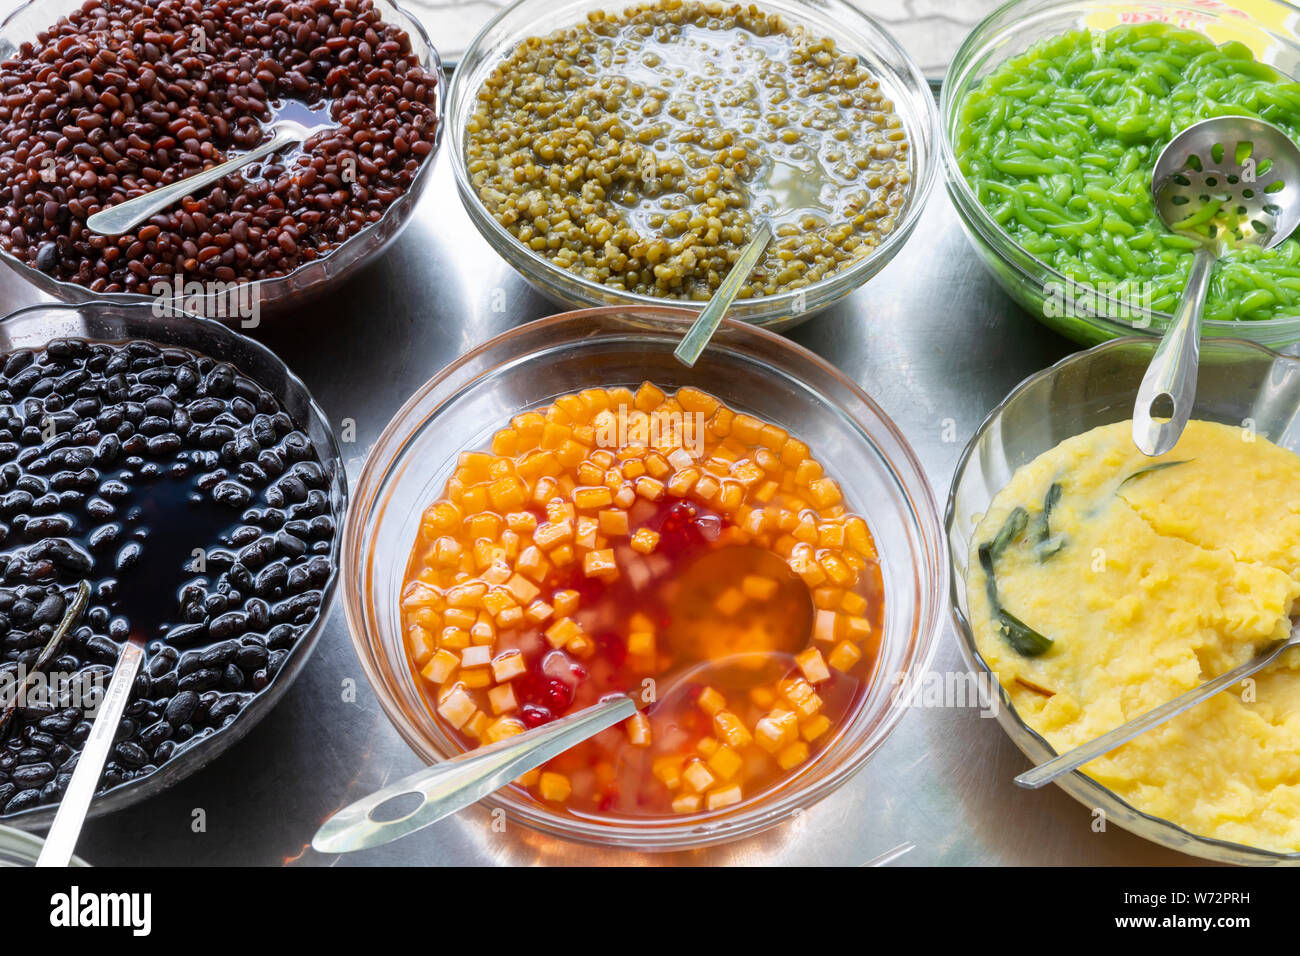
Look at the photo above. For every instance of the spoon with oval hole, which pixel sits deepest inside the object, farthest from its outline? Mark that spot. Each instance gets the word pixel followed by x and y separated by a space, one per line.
pixel 293 123
pixel 1045 773
pixel 1225 182
pixel 739 649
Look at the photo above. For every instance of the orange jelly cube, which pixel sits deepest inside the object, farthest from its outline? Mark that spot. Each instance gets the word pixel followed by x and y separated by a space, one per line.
pixel 551 573
pixel 554 786
pixel 508 665
pixel 728 726
pixel 596 563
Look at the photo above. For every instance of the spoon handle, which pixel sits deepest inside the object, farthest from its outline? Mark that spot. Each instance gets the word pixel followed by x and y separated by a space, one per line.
pixel 121 218
pixel 1172 371
pixel 1045 773
pixel 62 838
pixel 454 784
pixel 697 336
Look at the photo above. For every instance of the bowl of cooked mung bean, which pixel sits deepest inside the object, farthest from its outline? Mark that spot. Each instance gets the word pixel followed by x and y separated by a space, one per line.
pixel 1054 112
pixel 104 103
pixel 623 154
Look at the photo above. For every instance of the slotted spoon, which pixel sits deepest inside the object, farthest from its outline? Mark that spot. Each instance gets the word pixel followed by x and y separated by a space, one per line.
pixel 1225 182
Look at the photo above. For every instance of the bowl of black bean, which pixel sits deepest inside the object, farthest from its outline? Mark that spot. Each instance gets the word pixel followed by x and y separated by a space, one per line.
pixel 104 102
pixel 185 474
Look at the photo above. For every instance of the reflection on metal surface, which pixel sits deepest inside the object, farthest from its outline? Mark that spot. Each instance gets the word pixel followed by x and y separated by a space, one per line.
pixel 889 856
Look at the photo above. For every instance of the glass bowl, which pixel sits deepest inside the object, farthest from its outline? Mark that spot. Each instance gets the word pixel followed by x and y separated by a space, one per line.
pixel 1238 381
pixel 270 295
pixel 22 849
pixel 116 322
pixel 749 369
pixel 852 31
pixel 1265 26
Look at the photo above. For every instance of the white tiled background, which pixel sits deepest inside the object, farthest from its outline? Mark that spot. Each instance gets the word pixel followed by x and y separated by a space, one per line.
pixel 930 29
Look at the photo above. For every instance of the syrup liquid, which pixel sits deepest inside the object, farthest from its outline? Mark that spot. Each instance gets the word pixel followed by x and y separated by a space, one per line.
pixel 677 591
pixel 722 75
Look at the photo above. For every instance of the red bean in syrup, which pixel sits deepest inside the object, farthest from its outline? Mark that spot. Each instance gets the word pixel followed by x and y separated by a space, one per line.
pixel 114 100
pixel 117 462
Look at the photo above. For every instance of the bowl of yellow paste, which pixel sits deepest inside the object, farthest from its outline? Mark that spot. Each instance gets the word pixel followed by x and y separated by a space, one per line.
pixel 1091 583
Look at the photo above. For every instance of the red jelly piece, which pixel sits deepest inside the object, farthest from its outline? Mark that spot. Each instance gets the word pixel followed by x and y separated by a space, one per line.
pixel 534 715
pixel 559 695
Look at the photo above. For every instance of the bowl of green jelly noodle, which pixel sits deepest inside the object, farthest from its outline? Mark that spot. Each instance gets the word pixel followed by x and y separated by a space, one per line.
pixel 1053 116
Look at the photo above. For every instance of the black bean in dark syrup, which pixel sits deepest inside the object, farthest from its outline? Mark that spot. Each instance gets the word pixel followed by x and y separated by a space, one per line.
pixel 201 517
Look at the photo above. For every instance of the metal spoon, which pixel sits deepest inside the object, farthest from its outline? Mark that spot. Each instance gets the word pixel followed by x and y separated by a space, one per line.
pixel 1225 182
pixel 61 841
pixel 1073 759
pixel 290 127
pixel 461 781
pixel 697 336
pixel 456 783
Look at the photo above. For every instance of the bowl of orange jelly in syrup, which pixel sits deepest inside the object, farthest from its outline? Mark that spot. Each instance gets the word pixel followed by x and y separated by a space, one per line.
pixel 576 533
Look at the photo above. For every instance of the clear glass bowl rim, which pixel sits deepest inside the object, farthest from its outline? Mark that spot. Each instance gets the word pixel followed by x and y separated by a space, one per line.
pixel 22 848
pixel 659 835
pixel 973 49
pixel 460 100
pixel 1077 784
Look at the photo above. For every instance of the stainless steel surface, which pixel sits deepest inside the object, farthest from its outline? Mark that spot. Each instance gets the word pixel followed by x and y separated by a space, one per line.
pixel 61 841
pixel 1045 773
pixel 889 856
pixel 453 785
pixel 931 338
pixel 697 337
pixel 1223 182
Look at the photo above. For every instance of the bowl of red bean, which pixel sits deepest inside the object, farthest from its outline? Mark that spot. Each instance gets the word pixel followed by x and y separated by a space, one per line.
pixel 103 102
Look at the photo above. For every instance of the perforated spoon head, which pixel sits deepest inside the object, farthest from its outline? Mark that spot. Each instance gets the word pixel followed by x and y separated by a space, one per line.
pixel 1229 181
pixel 1225 182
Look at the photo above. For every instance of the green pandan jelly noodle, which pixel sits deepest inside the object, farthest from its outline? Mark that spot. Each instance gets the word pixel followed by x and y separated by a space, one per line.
pixel 1058 145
